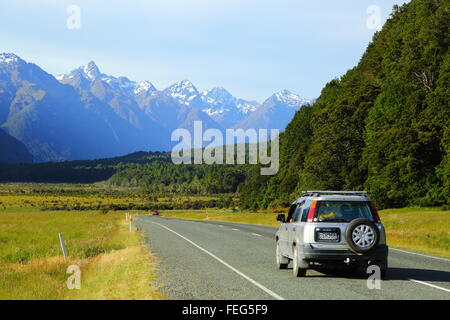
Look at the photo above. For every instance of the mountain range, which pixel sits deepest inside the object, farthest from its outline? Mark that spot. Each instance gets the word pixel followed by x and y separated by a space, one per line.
pixel 87 114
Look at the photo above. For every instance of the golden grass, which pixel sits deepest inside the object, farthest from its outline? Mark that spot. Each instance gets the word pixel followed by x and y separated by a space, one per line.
pixel 419 229
pixel 113 261
pixel 41 279
pixel 127 274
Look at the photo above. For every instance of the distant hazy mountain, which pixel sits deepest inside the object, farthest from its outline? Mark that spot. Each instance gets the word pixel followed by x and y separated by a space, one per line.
pixel 12 150
pixel 276 112
pixel 87 114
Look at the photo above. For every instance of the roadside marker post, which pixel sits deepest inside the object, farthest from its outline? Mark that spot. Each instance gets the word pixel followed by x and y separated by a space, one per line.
pixel 63 245
pixel 131 224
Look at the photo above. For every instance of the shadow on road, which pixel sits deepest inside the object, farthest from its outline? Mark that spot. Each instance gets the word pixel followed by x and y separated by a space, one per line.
pixel 393 274
pixel 418 274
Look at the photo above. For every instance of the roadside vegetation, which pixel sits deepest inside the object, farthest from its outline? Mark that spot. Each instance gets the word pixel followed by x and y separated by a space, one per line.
pixel 424 230
pixel 115 264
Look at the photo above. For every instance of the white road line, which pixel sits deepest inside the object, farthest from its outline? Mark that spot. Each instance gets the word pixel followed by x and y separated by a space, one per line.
pixel 255 234
pixel 234 229
pixel 419 254
pixel 430 285
pixel 266 290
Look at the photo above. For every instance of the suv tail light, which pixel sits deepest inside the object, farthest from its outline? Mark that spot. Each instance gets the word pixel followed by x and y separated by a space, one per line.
pixel 375 211
pixel 312 211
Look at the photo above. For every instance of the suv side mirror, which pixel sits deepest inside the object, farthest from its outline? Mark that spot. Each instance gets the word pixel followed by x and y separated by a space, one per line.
pixel 281 218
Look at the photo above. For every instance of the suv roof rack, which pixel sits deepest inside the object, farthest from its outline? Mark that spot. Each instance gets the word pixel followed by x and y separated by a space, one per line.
pixel 316 193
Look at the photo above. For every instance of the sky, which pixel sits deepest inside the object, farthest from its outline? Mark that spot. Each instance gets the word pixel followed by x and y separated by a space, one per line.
pixel 252 48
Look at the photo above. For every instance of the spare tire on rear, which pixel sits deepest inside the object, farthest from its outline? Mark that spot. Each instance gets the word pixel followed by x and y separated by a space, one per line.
pixel 362 235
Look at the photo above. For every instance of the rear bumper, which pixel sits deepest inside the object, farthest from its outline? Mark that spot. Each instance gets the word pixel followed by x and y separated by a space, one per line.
pixel 313 254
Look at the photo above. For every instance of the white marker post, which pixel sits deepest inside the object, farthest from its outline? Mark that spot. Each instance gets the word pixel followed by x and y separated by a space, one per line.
pixel 63 245
pixel 131 224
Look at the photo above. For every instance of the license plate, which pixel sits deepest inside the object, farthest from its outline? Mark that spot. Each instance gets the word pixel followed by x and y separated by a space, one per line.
pixel 327 235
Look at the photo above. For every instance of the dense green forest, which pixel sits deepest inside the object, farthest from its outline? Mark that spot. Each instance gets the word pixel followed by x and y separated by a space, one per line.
pixel 86 171
pixel 384 126
pixel 162 177
pixel 151 172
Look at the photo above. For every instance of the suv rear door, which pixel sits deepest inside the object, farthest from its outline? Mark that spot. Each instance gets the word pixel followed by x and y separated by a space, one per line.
pixel 284 230
pixel 294 226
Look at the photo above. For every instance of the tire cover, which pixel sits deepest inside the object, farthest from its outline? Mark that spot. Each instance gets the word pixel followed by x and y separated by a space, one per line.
pixel 352 226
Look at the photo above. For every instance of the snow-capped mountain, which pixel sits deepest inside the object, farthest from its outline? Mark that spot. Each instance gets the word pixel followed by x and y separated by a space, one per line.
pixel 6 58
pixel 291 99
pixel 275 113
pixel 90 72
pixel 59 122
pixel 141 103
pixel 226 109
pixel 185 93
pixel 88 114
pixel 144 87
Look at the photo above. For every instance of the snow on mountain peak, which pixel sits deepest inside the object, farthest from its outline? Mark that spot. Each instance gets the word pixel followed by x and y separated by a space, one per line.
pixel 143 86
pixel 8 58
pixel 184 92
pixel 185 85
pixel 218 97
pixel 91 71
pixel 221 102
pixel 291 99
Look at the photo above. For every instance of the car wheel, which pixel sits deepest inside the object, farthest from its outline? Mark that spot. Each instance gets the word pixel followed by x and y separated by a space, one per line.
pixel 362 235
pixel 297 271
pixel 282 261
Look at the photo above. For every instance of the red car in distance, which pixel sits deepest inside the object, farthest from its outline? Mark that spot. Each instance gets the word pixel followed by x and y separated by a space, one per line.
pixel 155 213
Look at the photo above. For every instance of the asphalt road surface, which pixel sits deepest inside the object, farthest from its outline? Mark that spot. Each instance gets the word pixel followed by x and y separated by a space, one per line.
pixel 219 260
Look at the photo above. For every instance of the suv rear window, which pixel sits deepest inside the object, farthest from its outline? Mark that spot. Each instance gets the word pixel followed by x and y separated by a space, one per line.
pixel 342 211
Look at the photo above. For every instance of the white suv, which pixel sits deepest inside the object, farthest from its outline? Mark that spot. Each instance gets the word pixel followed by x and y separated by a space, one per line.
pixel 331 228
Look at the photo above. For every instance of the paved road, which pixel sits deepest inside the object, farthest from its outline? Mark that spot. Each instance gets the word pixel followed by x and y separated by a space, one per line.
pixel 220 260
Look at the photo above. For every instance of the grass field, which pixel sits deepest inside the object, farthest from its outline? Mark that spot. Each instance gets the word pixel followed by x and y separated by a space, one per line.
pixel 84 197
pixel 114 263
pixel 424 230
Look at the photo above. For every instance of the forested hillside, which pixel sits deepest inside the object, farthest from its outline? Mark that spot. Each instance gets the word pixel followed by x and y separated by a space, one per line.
pixel 85 171
pixel 384 126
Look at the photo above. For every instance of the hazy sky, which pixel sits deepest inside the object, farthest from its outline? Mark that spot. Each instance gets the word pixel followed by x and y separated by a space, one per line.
pixel 251 47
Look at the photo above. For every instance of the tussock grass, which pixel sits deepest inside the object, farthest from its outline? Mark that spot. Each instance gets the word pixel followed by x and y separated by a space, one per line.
pixel 113 261
pixel 419 229
pixel 126 274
